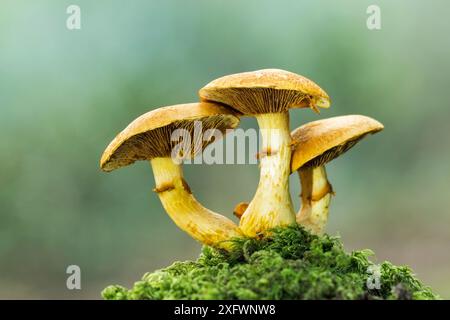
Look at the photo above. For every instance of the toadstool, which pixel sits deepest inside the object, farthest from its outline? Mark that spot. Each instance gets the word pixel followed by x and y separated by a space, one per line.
pixel 268 95
pixel 149 137
pixel 239 209
pixel 315 144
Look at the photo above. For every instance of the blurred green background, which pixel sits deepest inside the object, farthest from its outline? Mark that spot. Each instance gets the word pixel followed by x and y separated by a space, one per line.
pixel 65 94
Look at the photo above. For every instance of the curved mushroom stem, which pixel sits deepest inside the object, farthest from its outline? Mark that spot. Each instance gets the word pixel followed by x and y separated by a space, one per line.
pixel 272 205
pixel 316 196
pixel 188 214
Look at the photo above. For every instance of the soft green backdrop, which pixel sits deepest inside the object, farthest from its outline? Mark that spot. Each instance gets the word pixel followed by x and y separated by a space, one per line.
pixel 65 94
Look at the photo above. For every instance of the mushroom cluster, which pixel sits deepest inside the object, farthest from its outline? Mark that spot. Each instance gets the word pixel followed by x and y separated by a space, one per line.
pixel 268 95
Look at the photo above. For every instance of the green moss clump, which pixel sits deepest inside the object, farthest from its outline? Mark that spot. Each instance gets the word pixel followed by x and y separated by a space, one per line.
pixel 289 264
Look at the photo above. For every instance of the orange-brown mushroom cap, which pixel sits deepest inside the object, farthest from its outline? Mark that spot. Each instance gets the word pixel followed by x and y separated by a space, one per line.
pixel 265 91
pixel 318 142
pixel 149 136
pixel 239 209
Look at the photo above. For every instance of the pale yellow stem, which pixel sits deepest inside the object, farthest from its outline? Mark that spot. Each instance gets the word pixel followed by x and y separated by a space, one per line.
pixel 316 197
pixel 271 206
pixel 188 214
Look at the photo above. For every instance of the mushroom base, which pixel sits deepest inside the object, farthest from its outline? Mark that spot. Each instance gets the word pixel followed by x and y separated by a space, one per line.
pixel 290 264
pixel 188 214
pixel 272 205
pixel 316 196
